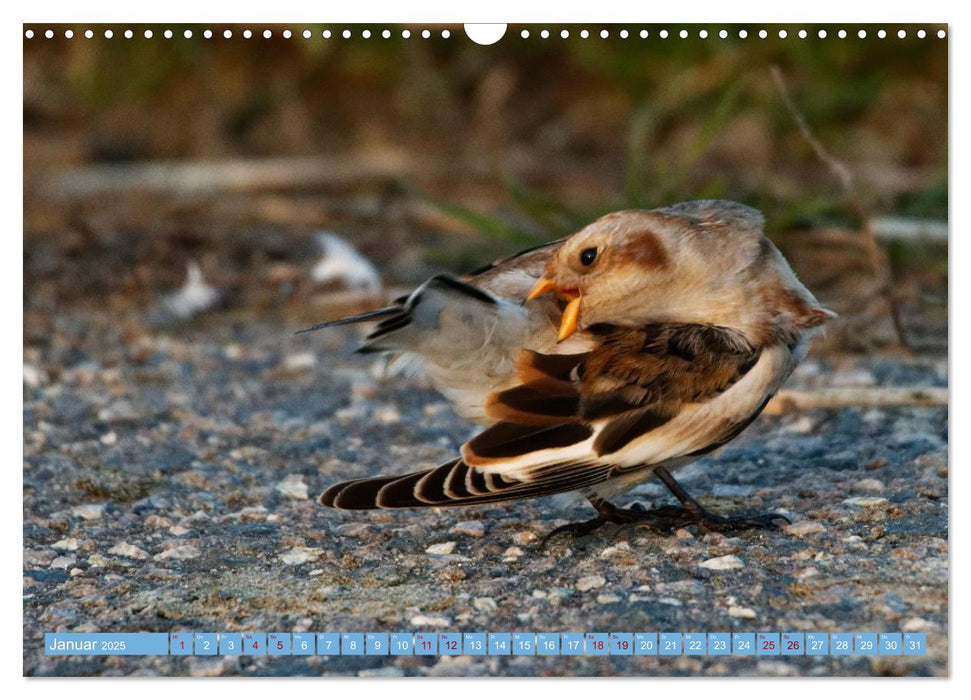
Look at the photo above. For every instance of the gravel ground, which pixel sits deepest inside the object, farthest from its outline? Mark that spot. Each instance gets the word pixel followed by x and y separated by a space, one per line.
pixel 170 477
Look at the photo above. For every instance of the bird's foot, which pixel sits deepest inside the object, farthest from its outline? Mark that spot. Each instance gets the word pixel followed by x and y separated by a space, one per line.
pixel 663 519
pixel 666 519
pixel 709 522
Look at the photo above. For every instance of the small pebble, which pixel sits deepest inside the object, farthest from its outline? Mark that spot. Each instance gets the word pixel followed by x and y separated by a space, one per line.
pixel 68 544
pixel 472 528
pixel 608 598
pixel 484 604
pixel 293 487
pixel 590 582
pixel 741 612
pixel 89 511
pixel 803 528
pixel 619 549
pixel 124 549
pixel 389 415
pixel 157 521
pixel 186 551
pixel 34 377
pixel 109 438
pixel 430 621
pixel 300 555
pixel 918 624
pixel 865 501
pixel 525 537
pixel 441 548
pixel 353 529
pixel 299 361
pixel 729 561
pixel 63 562
pixel 513 552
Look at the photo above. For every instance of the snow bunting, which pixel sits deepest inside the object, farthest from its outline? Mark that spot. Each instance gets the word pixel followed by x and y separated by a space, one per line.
pixel 633 347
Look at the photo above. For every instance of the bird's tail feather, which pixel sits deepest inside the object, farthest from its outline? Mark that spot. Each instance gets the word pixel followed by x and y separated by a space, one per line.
pixel 357 318
pixel 455 483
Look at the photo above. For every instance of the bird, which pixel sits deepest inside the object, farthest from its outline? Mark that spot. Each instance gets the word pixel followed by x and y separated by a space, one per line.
pixel 633 347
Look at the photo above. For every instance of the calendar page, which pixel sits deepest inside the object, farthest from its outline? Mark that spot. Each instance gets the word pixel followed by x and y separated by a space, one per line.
pixel 537 350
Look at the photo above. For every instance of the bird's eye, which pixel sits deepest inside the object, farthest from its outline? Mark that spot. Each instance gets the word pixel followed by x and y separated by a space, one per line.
pixel 588 255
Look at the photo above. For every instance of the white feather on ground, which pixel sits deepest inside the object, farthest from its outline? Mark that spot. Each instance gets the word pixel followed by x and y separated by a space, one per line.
pixel 195 296
pixel 343 263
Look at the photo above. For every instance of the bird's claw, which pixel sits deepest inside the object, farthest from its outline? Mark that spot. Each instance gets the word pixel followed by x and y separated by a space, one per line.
pixel 666 519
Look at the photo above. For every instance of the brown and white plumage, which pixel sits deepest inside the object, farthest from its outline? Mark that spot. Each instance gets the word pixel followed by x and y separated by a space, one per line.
pixel 675 328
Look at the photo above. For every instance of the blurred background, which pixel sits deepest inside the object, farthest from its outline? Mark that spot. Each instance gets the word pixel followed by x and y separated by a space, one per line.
pixel 144 158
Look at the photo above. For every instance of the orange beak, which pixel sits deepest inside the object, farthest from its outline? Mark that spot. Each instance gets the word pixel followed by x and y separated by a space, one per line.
pixel 542 286
pixel 571 314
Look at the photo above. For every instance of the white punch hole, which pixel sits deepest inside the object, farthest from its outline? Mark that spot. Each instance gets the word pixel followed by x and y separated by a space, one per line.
pixel 485 34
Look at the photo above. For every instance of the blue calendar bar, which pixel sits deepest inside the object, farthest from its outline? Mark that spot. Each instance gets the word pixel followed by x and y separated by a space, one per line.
pixel 402 643
pixel 254 643
pixel 767 644
pixel 597 643
pixel 328 644
pixel 475 643
pixel 188 643
pixel 206 643
pixel 376 644
pixel 571 644
pixel 548 643
pixel 719 644
pixel 278 644
pixel 695 643
pixel 621 644
pixel 793 644
pixel 107 644
pixel 669 644
pixel 524 643
pixel 426 644
pixel 304 644
pixel 180 643
pixel 450 644
pixel 645 643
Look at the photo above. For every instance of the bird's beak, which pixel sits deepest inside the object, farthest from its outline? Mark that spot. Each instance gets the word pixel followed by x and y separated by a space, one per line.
pixel 568 321
pixel 542 286
pixel 571 314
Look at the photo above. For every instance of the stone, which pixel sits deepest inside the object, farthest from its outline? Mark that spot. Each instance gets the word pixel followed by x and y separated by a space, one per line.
pixel 300 555
pixel 124 549
pixel 89 511
pixel 441 548
pixel 472 528
pixel 741 612
pixel 865 501
pixel 803 528
pixel 725 563
pixel 293 487
pixel 186 551
pixel 588 583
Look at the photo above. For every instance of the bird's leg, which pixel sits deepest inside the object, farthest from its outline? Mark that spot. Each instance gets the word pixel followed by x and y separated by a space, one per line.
pixel 666 518
pixel 709 521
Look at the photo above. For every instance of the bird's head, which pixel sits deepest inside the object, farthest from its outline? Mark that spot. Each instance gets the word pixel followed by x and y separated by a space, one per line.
pixel 698 262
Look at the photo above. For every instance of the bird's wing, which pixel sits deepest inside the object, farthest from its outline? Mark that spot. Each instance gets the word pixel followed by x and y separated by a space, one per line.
pixel 640 398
